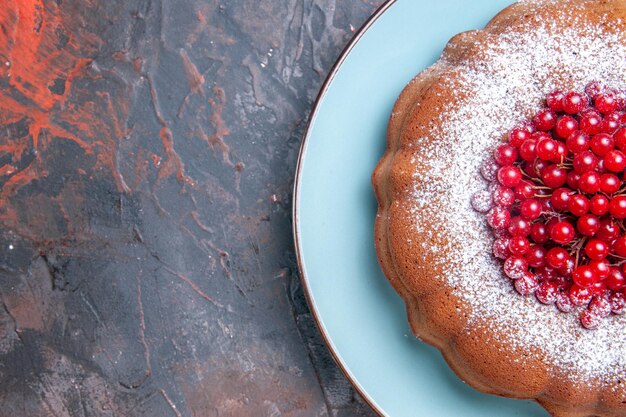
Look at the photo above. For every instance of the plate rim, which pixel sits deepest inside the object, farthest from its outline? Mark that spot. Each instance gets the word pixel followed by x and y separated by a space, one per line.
pixel 304 280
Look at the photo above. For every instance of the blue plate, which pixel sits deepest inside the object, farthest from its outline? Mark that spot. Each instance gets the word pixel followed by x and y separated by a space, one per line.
pixel 360 316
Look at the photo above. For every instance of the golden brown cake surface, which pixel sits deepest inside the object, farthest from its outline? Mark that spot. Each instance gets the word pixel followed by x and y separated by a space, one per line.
pixel 436 250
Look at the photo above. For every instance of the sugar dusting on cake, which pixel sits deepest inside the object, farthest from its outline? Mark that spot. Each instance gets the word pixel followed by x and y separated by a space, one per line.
pixel 504 88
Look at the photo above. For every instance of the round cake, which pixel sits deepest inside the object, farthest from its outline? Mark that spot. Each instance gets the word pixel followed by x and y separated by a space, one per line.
pixel 435 229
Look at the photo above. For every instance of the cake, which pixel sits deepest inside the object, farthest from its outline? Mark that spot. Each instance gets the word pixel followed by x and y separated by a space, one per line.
pixel 435 187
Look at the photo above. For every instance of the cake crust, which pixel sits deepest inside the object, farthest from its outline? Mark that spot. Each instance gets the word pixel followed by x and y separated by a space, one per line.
pixel 421 254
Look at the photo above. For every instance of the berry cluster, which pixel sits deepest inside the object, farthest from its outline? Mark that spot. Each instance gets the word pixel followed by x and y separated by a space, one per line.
pixel 557 203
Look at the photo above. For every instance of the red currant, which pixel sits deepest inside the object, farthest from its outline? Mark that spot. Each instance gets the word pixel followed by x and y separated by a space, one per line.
pixel 515 266
pixel 554 100
pixel 577 141
pixel 617 206
pixel 536 256
pixel 609 183
pixel 574 102
pixel 544 120
pixel 619 246
pixel 585 161
pixel 589 182
pixel 615 161
pixel 590 122
pixel 560 198
pixel 530 209
pixel 605 102
pixel 509 176
pixel 556 257
pixel 554 176
pixel 562 232
pixel 584 276
pixel 588 225
pixel 578 204
pixel 518 245
pixel 599 205
pixel 506 154
pixel 539 233
pixel 596 249
pixel 601 144
pixel 565 126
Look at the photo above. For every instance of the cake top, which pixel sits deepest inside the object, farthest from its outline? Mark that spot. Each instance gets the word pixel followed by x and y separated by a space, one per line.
pixel 503 82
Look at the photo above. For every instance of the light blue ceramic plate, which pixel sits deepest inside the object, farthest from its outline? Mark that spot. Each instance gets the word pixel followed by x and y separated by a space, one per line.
pixel 359 314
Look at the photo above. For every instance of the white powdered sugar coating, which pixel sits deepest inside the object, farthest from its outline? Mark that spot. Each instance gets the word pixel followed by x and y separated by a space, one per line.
pixel 503 89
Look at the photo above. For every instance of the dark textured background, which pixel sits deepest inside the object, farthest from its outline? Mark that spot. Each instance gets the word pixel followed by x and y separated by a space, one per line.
pixel 147 156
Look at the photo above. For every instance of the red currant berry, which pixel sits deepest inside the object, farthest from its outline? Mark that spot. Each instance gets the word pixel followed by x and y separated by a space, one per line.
pixel 589 182
pixel 618 303
pixel 599 205
pixel 601 144
pixel 547 292
pixel 565 126
pixel 567 270
pixel 590 122
pixel 590 320
pixel 616 280
pixel 554 100
pixel 605 102
pixel 545 273
pixel 611 122
pixel 584 276
pixel 501 248
pixel 561 153
pixel 588 225
pixel 527 150
pixel 530 209
pixel 536 256
pixel 572 179
pixel 585 161
pixel 619 246
pixel 498 217
pixel 509 176
pixel 503 196
pixel 562 232
pixel 620 139
pixel 560 198
pixel 608 232
pixel 617 206
pixel 578 204
pixel 546 149
pixel 488 170
pixel 556 257
pixel 544 120
pixel 518 245
pixel 593 88
pixel 506 154
pixel 609 183
pixel 554 176
pixel 563 302
pixel 527 284
pixel 579 295
pixel 539 233
pixel 596 249
pixel 524 190
pixel 519 227
pixel 600 306
pixel 601 267
pixel 599 287
pixel 518 136
pixel 515 266
pixel 577 141
pixel 615 161
pixel 574 102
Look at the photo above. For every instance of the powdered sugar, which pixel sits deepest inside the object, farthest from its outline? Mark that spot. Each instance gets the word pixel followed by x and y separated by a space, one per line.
pixel 501 88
